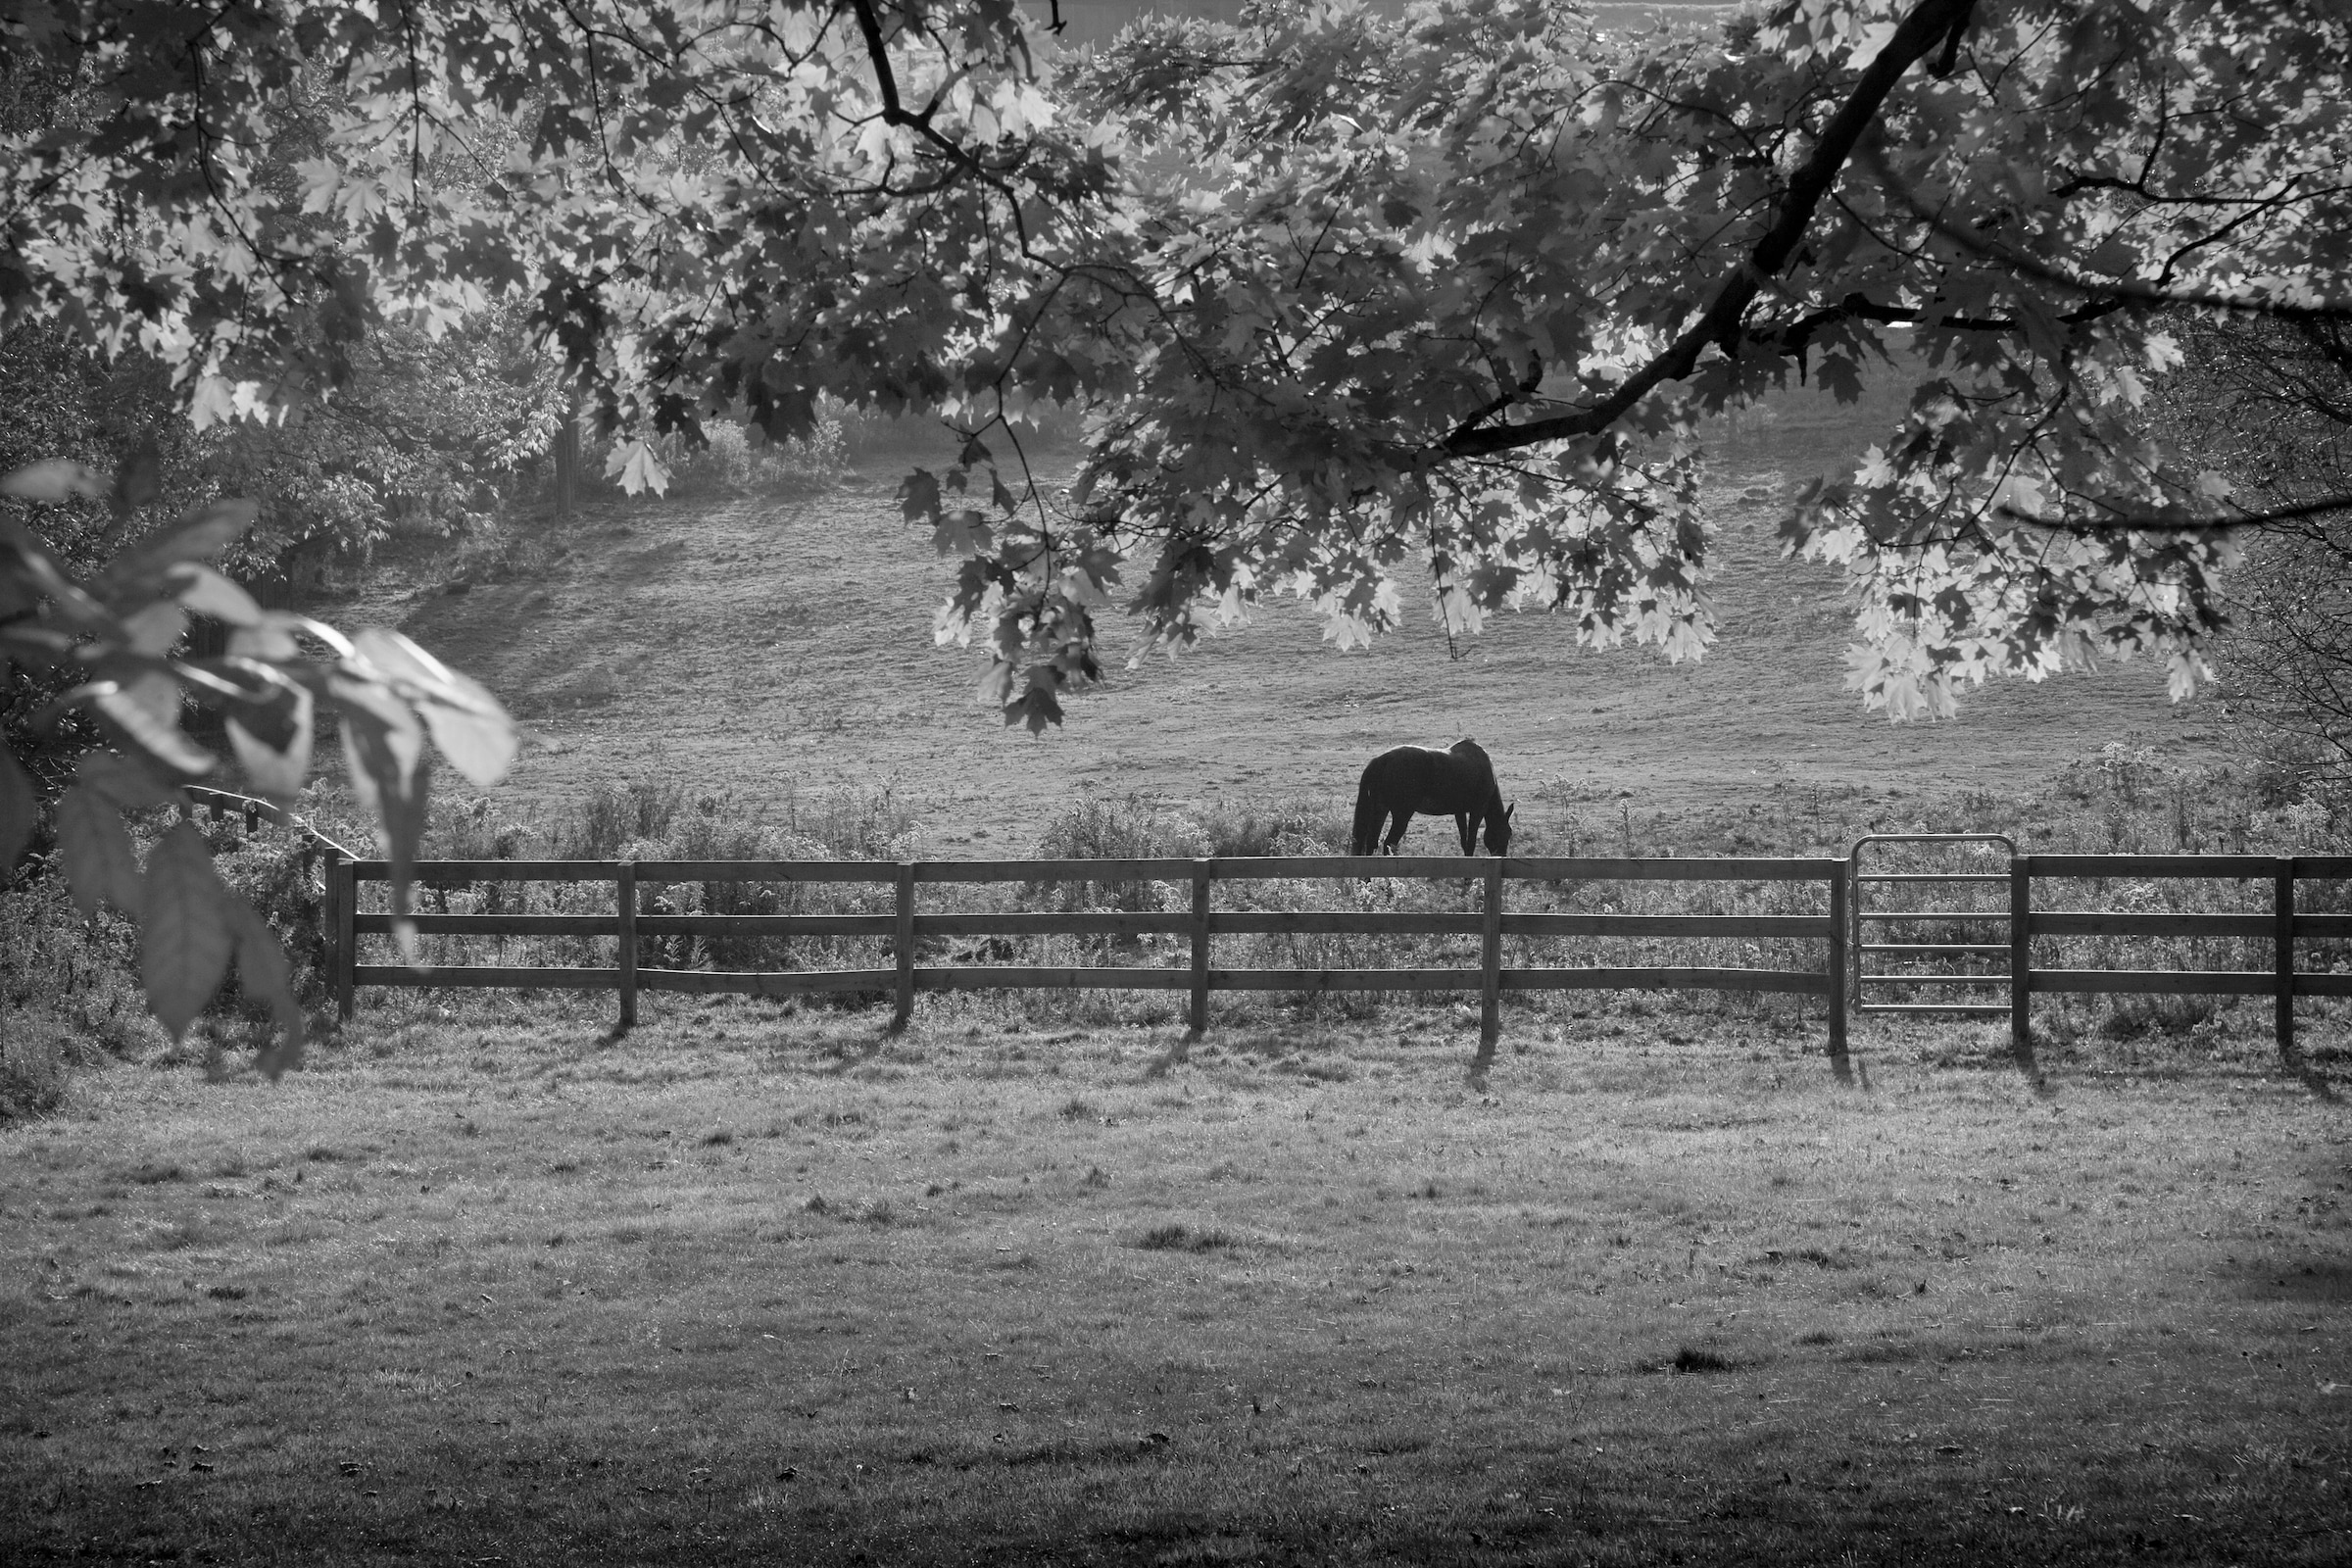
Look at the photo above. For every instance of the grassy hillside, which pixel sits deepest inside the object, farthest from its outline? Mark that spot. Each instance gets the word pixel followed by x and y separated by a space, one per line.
pixel 752 644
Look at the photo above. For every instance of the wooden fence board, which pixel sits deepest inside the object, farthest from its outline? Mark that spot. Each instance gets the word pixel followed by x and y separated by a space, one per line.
pixel 2323 985
pixel 558 978
pixel 624 891
pixel 2324 927
pixel 452 873
pixel 1667 926
pixel 1652 869
pixel 1253 922
pixel 1343 979
pixel 605 925
pixel 1416 867
pixel 901 947
pixel 1344 923
pixel 1152 870
pixel 1083 923
pixel 670 871
pixel 766 925
pixel 1797 981
pixel 768 982
pixel 1489 966
pixel 2103 923
pixel 1195 1011
pixel 2168 982
pixel 495 925
pixel 1038 977
pixel 1306 867
pixel 2151 865
pixel 2324 867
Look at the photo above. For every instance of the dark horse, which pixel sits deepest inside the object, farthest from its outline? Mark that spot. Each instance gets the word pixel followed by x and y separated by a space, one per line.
pixel 1458 780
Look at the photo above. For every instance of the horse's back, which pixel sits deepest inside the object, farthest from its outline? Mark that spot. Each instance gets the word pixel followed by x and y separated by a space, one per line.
pixel 1399 758
pixel 1425 779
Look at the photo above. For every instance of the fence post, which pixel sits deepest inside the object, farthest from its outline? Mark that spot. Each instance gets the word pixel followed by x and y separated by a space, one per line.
pixel 1199 1011
pixel 1490 1005
pixel 1840 912
pixel 906 947
pixel 2020 960
pixel 625 893
pixel 343 894
pixel 2282 959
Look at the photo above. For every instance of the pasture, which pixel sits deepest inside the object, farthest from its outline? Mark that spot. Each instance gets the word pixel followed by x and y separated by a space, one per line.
pixel 755 1284
pixel 755 643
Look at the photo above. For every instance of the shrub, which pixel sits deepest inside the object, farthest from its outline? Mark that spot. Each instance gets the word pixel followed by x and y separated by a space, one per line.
pixel 615 814
pixel 32 1063
pixel 1099 829
pixel 1290 827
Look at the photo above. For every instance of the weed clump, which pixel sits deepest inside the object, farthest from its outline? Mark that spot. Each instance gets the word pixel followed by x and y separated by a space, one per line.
pixel 1179 1239
pixel 32 1070
pixel 1285 828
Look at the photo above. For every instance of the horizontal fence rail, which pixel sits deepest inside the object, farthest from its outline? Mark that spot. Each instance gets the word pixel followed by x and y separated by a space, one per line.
pixel 2281 925
pixel 904 926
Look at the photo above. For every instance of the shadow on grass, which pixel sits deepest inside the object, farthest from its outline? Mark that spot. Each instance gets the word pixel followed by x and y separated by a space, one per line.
pixel 2318 1281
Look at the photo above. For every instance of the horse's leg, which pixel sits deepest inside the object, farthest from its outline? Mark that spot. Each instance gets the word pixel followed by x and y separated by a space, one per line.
pixel 1397 833
pixel 1369 816
pixel 1466 826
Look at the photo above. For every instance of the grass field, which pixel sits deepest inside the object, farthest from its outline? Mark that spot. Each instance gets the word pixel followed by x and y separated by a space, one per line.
pixel 488 1285
pixel 751 1284
pixel 753 645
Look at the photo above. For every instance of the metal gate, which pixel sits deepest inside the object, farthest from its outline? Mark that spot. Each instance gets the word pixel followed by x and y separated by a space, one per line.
pixel 1959 984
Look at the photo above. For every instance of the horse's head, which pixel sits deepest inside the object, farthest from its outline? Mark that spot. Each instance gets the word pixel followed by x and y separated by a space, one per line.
pixel 1499 831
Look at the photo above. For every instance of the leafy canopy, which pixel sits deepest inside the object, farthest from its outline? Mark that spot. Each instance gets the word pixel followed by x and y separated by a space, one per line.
pixel 1346 299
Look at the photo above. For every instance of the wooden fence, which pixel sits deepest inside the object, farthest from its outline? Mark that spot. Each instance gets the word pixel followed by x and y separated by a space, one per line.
pixel 905 926
pixel 2283 925
pixel 2280 925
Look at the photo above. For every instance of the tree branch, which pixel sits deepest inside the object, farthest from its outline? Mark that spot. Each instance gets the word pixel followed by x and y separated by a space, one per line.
pixel 1933 23
pixel 2157 524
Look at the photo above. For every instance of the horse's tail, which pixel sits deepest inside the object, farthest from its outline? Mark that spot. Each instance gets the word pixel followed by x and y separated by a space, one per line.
pixel 1370 813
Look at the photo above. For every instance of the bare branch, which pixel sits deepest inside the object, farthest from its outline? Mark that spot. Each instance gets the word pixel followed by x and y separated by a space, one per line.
pixel 2158 523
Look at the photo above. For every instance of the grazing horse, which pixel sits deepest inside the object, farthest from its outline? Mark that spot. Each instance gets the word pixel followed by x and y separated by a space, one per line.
pixel 1458 780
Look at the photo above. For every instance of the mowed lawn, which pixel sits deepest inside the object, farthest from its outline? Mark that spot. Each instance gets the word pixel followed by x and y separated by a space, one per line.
pixel 756 1285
